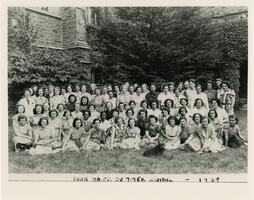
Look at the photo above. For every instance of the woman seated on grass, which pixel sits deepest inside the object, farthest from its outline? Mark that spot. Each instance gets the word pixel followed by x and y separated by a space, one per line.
pixel 233 138
pixel 132 136
pixel 22 134
pixel 142 121
pixel 44 139
pixel 186 130
pixel 77 136
pixel 67 122
pixel 116 134
pixel 171 134
pixel 95 137
pixel 55 124
pixel 209 141
pixel 151 138
pixel 217 124
pixel 193 142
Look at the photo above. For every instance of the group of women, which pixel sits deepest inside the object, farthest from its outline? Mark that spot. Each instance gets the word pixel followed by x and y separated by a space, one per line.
pixel 54 119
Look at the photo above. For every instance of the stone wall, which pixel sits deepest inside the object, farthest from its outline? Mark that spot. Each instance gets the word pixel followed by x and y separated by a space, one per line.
pixel 49 29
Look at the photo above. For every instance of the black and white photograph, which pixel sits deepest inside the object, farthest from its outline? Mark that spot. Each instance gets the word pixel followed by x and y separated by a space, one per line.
pixel 128 90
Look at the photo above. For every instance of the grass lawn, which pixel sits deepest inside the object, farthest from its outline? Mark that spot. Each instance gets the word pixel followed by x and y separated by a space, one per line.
pixel 132 161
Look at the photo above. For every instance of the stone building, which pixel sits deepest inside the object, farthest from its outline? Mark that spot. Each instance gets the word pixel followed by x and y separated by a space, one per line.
pixel 65 28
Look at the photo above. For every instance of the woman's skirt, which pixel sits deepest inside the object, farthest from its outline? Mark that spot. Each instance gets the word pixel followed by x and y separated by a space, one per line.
pixel 169 145
pixel 195 143
pixel 130 143
pixel 147 143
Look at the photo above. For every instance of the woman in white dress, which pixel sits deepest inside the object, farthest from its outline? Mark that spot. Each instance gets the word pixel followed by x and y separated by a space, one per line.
pixel 209 140
pixel 22 134
pixel 171 134
pixel 132 136
pixel 44 139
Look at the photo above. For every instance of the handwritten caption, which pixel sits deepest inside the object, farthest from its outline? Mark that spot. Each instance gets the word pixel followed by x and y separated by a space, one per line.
pixel 140 179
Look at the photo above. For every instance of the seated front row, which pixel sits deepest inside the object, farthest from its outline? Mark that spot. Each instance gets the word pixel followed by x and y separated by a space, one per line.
pixel 76 135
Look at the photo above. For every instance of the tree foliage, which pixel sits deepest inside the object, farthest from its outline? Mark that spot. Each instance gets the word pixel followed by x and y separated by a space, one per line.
pixel 168 44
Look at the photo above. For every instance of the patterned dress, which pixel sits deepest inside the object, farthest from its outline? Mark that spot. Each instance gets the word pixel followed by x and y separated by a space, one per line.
pixel 77 137
pixel 171 137
pixel 56 127
pixel 119 136
pixel 66 126
pixel 44 142
pixel 153 132
pixel 194 142
pixel 211 143
pixel 234 137
pixel 95 139
pixel 132 138
pixel 22 134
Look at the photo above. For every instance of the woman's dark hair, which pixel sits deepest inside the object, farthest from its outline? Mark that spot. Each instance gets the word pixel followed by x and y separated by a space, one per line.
pixel 182 118
pixel 130 120
pixel 163 86
pixel 205 117
pixel 75 120
pixel 121 103
pixel 192 80
pixel 117 118
pixel 138 88
pixel 22 117
pixel 65 112
pixel 143 101
pixel 53 110
pixel 91 105
pixel 154 102
pixel 37 93
pixel 185 99
pixel 87 111
pixel 34 110
pixel 215 112
pixel 233 116
pixel 217 101
pixel 198 100
pixel 226 83
pixel 142 110
pixel 172 102
pixel 81 103
pixel 182 108
pixel 131 101
pixel 103 112
pixel 115 110
pixel 43 118
pixel 209 81
pixel 154 117
pixel 96 119
pixel 72 95
pixel 129 110
pixel 18 105
pixel 199 116
pixel 152 84
pixel 172 118
pixel 165 108
pixel 57 107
